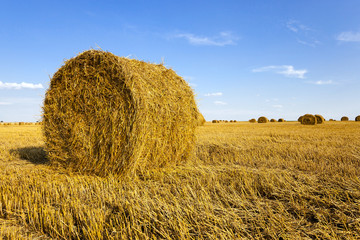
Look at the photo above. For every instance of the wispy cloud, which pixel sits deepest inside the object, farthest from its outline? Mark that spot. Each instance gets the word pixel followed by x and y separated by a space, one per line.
pixel 220 103
pixel 5 103
pixel 304 34
pixel 286 70
pixel 20 85
pixel 277 106
pixel 313 43
pixel 189 80
pixel 349 37
pixel 213 94
pixel 320 82
pixel 296 26
pixel 222 39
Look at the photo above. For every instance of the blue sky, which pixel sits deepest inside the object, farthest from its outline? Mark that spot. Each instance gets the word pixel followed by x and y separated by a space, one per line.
pixel 244 59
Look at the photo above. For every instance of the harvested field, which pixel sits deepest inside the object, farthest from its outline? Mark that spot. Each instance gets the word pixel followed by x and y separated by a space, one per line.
pixel 246 181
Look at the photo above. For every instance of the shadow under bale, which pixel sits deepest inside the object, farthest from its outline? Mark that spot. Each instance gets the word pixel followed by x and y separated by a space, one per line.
pixel 36 155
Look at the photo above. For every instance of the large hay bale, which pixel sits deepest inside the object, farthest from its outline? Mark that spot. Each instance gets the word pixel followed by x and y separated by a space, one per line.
pixel 357 119
pixel 319 119
pixel 262 120
pixel 308 119
pixel 272 120
pixel 253 120
pixel 105 114
pixel 344 118
pixel 300 118
pixel 281 120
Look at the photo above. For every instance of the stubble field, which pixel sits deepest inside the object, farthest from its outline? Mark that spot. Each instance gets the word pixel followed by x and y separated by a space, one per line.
pixel 245 181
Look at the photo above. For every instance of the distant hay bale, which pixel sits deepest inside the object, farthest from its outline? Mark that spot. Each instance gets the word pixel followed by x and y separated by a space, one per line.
pixel 231 121
pixel 331 120
pixel 281 120
pixel 253 120
pixel 226 121
pixel 272 120
pixel 263 120
pixel 357 119
pixel 319 119
pixel 308 119
pixel 344 118
pixel 234 121
pixel 21 123
pixel 200 119
pixel 215 121
pixel 105 114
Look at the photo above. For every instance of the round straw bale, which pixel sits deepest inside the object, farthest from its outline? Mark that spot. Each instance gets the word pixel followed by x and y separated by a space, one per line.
pixel 272 120
pixel 253 120
pixel 344 118
pixel 319 119
pixel 357 119
pixel 281 120
pixel 200 119
pixel 308 119
pixel 105 114
pixel 300 118
pixel 263 120
pixel 215 121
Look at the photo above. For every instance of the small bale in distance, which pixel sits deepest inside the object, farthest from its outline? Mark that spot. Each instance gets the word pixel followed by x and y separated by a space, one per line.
pixel 272 120
pixel 253 120
pixel 344 119
pixel 319 119
pixel 201 120
pixel 263 120
pixel 281 120
pixel 309 119
pixel 357 119
pixel 109 115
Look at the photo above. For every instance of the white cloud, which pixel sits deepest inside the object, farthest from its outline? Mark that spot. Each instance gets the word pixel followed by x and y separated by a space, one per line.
pixel 304 34
pixel 286 70
pixel 277 106
pixel 213 94
pixel 320 82
pixel 223 39
pixel 349 37
pixel 188 78
pixel 5 103
pixel 296 26
pixel 313 43
pixel 20 85
pixel 220 103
